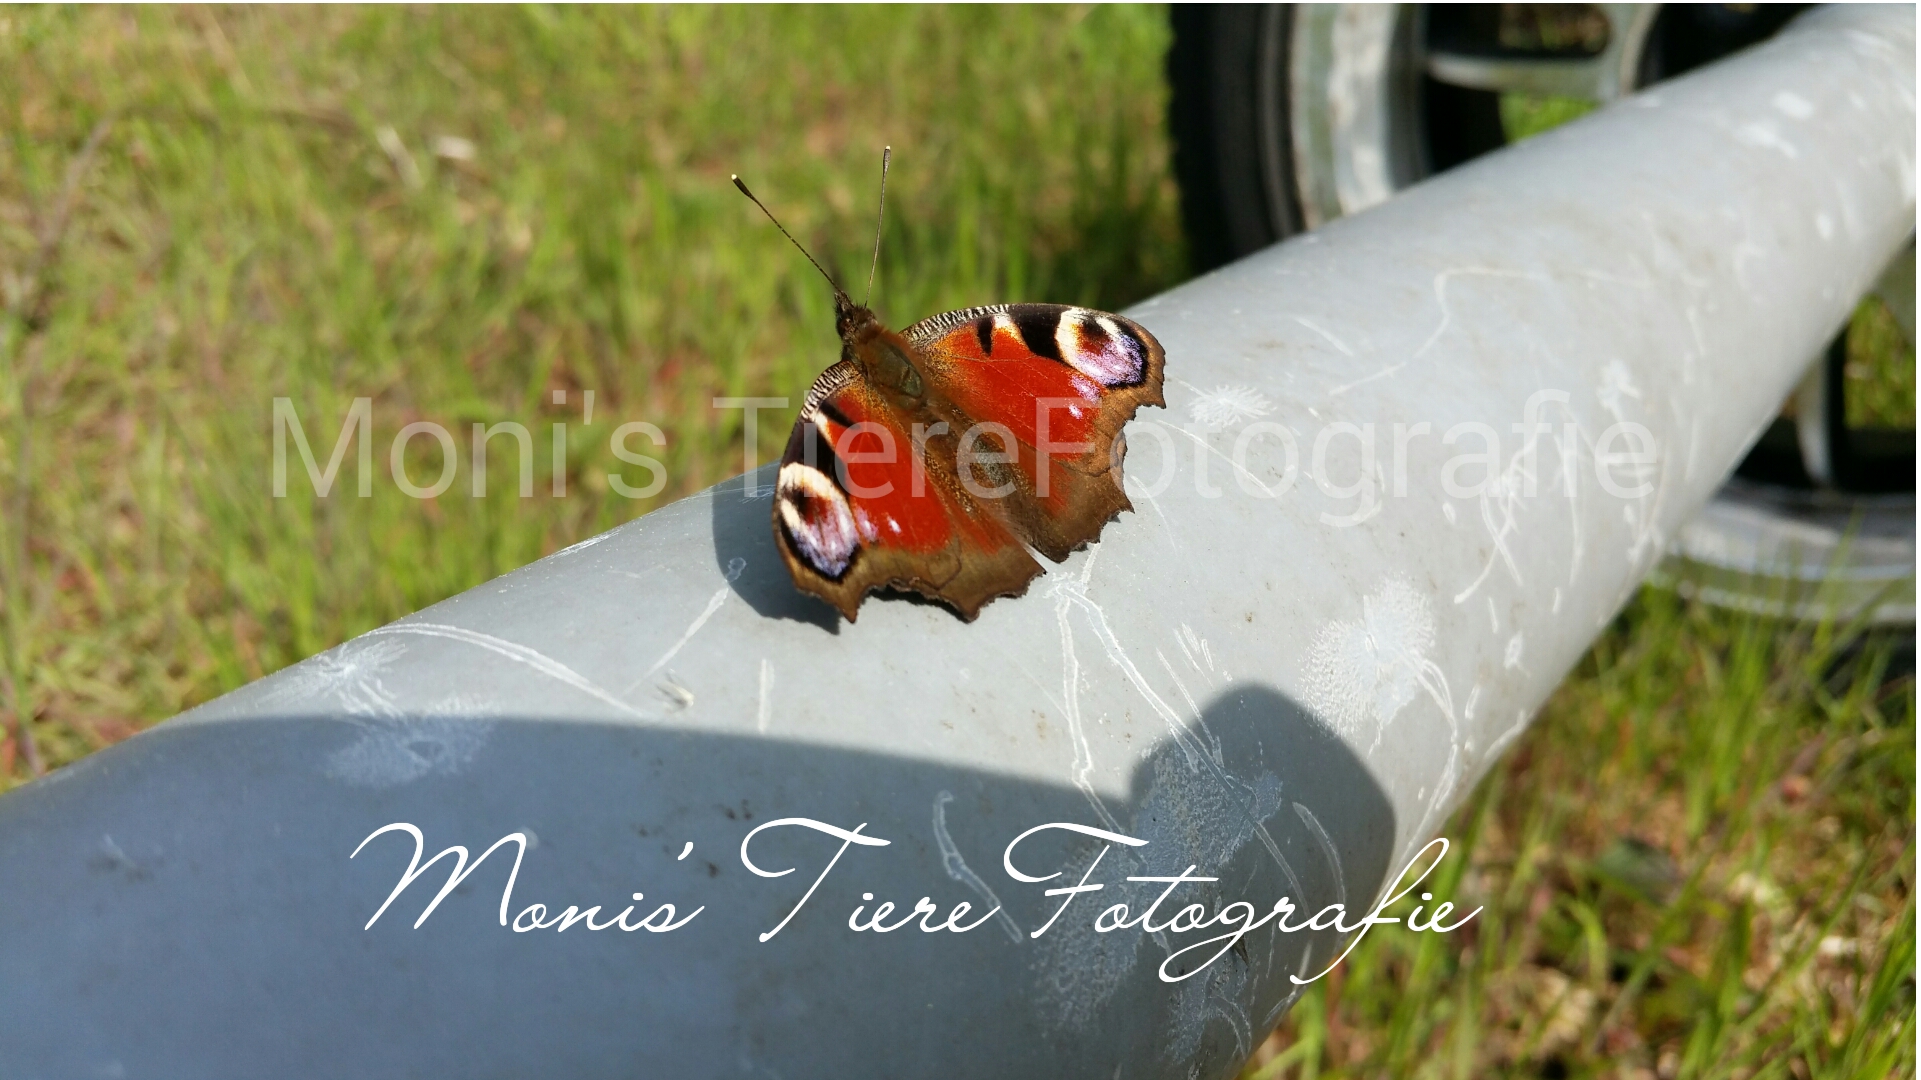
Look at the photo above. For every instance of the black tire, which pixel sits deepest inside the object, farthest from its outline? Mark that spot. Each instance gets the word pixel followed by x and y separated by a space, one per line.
pixel 1222 71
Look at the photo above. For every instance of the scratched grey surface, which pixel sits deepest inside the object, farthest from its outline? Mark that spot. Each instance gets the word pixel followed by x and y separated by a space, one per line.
pixel 1291 704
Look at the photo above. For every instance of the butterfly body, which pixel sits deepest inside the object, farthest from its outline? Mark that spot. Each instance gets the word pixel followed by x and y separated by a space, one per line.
pixel 939 459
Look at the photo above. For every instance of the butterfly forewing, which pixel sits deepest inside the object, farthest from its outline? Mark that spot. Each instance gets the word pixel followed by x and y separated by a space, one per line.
pixel 1062 381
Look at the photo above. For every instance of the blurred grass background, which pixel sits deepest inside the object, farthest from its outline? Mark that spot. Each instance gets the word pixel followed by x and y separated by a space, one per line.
pixel 1698 863
pixel 458 213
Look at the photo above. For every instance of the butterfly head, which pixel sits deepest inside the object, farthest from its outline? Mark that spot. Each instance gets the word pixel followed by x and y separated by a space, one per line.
pixel 850 319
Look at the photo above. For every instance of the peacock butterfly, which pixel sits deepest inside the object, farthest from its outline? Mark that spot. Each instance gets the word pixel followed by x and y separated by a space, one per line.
pixel 942 458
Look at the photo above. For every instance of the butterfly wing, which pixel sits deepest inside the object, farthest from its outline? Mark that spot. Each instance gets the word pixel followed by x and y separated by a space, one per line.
pixel 1060 382
pixel 857 507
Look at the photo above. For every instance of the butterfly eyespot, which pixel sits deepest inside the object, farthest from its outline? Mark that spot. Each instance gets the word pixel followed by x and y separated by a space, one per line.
pixel 817 518
pixel 1101 349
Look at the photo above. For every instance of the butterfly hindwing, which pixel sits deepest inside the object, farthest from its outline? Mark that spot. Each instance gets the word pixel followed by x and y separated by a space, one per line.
pixel 859 506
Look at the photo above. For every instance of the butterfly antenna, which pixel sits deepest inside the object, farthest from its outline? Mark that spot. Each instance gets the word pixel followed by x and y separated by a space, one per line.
pixel 886 154
pixel 784 232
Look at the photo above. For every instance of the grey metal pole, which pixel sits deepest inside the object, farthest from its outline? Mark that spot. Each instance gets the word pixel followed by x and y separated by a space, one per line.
pixel 1505 389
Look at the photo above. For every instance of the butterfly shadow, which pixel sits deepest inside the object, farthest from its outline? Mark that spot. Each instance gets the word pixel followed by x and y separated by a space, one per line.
pixel 745 551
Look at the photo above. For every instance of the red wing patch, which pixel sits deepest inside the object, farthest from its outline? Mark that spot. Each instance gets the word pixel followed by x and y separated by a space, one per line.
pixel 1063 381
pixel 1001 362
pixel 857 507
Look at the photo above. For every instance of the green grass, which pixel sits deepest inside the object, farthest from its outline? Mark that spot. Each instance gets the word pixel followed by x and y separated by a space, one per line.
pixel 241 230
pixel 1699 862
pixel 1879 388
pixel 1527 115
